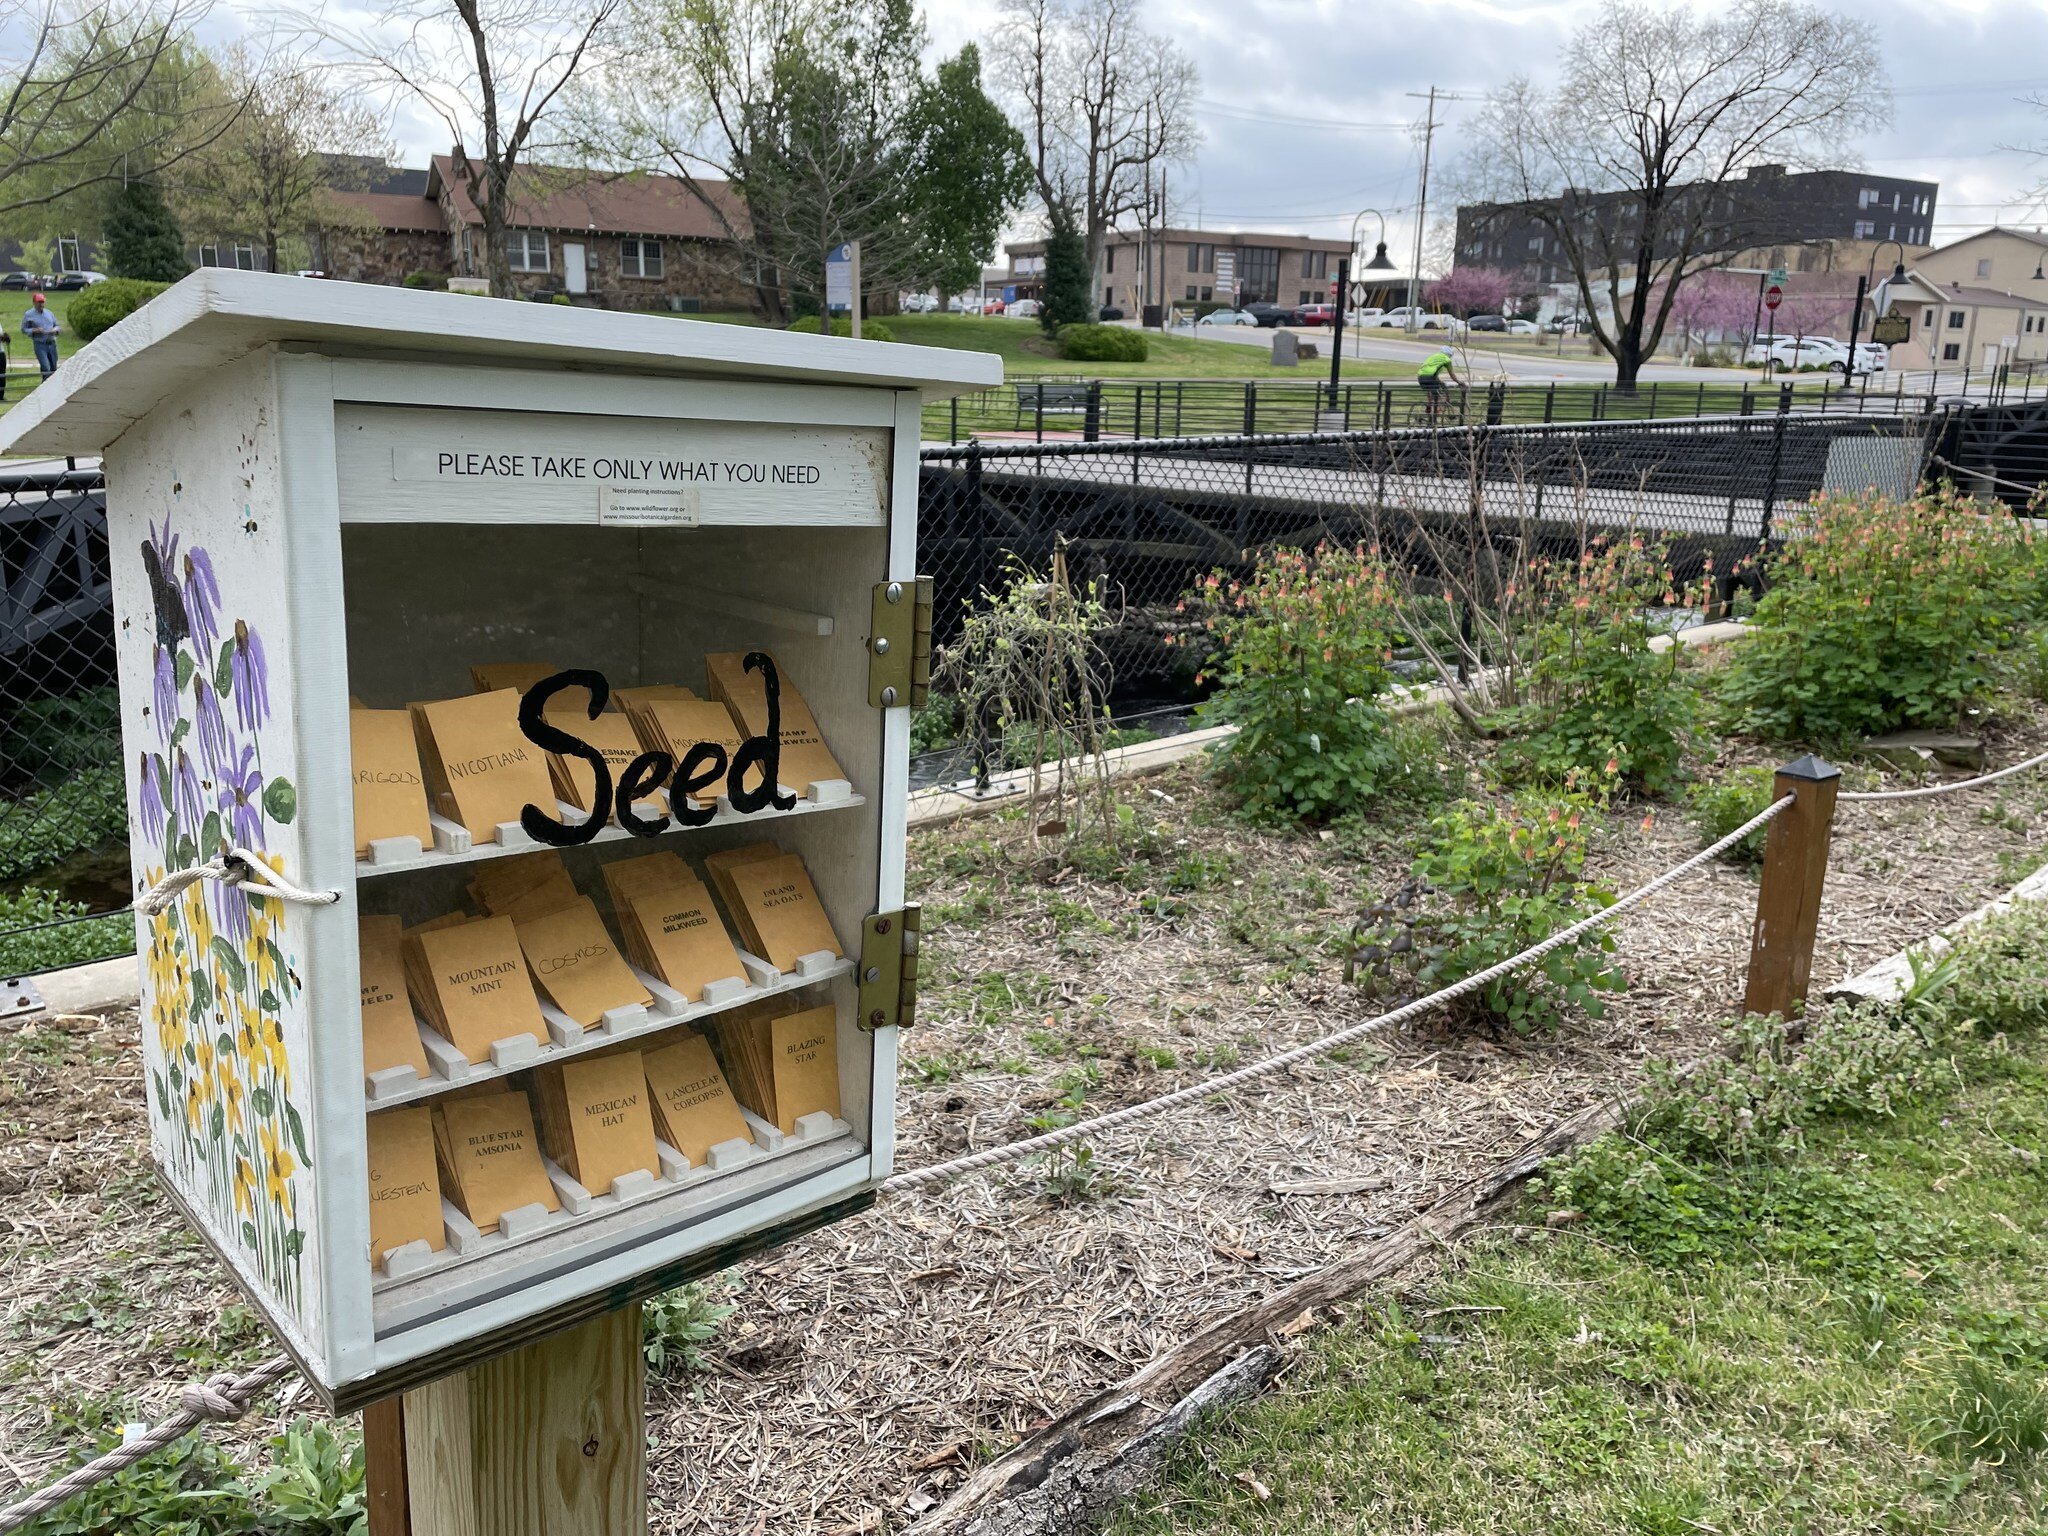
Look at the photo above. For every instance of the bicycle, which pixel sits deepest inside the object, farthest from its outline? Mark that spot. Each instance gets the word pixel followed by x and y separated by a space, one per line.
pixel 1429 410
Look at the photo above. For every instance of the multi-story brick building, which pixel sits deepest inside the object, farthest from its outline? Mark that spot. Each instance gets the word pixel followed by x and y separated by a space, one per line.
pixel 1780 218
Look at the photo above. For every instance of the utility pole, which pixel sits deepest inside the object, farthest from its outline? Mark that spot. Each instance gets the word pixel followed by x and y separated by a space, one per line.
pixel 1421 213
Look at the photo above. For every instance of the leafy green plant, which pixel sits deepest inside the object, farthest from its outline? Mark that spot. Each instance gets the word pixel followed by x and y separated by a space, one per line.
pixel 1719 805
pixel 1882 615
pixel 676 1325
pixel 26 946
pixel 1990 1412
pixel 193 1488
pixel 314 1485
pixel 103 305
pixel 1090 343
pixel 1071 1176
pixel 1301 663
pixel 1597 693
pixel 1491 881
pixel 870 330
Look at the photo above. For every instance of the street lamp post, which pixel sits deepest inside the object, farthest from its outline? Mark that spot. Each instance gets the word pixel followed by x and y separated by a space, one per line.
pixel 1862 287
pixel 1379 263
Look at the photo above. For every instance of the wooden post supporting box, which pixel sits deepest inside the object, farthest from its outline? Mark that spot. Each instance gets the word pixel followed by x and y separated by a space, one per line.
pixel 1788 899
pixel 324 496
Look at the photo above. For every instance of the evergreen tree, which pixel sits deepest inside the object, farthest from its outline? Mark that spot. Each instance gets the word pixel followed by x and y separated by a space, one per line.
pixel 1069 288
pixel 142 235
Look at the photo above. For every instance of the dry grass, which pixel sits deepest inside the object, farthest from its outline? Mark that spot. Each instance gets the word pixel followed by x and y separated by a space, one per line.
pixel 869 1365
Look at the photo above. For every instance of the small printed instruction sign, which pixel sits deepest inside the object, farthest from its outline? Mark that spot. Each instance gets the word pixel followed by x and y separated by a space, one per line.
pixel 507 466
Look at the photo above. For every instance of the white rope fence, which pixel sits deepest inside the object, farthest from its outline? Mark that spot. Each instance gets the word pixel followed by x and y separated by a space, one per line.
pixel 224 1398
pixel 1009 1152
pixel 1957 787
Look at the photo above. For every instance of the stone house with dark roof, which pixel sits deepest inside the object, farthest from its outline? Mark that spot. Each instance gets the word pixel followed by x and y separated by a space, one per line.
pixel 627 242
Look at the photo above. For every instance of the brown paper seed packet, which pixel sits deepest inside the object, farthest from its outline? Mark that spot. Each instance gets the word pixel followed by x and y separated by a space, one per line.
pixel 490 1157
pixel 490 676
pixel 477 756
pixel 596 1120
pixel 694 1109
pixel 782 910
pixel 391 1037
pixel 472 984
pixel 390 788
pixel 574 961
pixel 405 1182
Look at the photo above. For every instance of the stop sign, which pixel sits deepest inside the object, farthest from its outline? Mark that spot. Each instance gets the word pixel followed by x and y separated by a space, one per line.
pixel 1773 295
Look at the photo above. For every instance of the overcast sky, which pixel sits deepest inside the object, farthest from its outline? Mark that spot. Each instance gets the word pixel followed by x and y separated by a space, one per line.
pixel 1307 114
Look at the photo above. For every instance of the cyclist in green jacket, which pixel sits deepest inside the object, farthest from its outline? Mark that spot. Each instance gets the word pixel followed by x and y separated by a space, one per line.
pixel 1431 377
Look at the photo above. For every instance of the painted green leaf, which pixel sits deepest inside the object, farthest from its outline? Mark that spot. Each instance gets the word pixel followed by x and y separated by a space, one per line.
pixel 261 1101
pixel 170 826
pixel 209 831
pixel 184 669
pixel 178 733
pixel 276 956
pixel 294 1242
pixel 177 1081
pixel 230 963
pixel 163 1096
pixel 298 1130
pixel 280 801
pixel 188 852
pixel 268 999
pixel 224 668
pixel 202 993
pixel 218 1124
pixel 249 1233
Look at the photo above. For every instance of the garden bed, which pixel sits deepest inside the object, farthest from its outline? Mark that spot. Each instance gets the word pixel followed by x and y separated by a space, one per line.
pixel 868 1366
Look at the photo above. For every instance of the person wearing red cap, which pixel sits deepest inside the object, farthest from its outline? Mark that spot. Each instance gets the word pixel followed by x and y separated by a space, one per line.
pixel 40 326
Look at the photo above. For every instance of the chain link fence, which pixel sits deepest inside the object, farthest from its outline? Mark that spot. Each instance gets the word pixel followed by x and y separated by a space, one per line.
pixel 63 813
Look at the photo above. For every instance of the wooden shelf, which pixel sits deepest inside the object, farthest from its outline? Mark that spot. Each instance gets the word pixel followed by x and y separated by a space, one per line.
pixel 566 1038
pixel 453 844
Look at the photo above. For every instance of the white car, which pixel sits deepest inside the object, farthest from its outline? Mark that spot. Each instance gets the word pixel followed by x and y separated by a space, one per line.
pixel 1367 316
pixel 1872 357
pixel 1521 327
pixel 963 304
pixel 1425 320
pixel 918 304
pixel 1228 317
pixel 1023 309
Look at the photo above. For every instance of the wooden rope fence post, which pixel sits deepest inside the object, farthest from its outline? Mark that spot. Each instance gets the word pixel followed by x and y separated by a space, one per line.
pixel 1788 901
pixel 549 1440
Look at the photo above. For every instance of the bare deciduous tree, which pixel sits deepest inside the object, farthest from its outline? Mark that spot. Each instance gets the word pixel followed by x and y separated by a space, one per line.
pixel 1634 163
pixel 1103 101
pixel 91 92
pixel 492 71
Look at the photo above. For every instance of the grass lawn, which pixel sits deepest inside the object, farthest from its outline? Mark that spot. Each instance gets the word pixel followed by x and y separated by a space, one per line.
pixel 22 375
pixel 1849 1337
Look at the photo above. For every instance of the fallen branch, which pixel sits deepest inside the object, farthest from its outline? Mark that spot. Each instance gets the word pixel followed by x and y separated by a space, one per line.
pixel 1067 1476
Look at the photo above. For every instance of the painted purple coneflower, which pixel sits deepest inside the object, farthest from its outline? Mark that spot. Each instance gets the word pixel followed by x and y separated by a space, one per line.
pixel 252 677
pixel 211 727
pixel 241 801
pixel 202 603
pixel 151 797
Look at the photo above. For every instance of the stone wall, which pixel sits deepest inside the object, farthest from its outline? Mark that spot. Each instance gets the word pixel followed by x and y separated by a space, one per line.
pixel 690 270
pixel 385 256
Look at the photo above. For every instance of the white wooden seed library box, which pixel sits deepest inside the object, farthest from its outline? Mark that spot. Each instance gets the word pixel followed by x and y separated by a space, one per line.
pixel 327 497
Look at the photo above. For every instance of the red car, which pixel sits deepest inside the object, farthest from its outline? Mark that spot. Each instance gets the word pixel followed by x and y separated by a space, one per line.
pixel 1315 314
pixel 993 307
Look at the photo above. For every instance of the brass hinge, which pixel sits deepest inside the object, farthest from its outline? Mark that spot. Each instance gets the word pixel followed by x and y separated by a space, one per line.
pixel 888 968
pixel 900 643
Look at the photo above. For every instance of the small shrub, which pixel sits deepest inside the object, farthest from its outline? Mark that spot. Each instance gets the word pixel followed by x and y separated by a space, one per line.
pixel 1720 805
pixel 101 307
pixel 870 330
pixel 49 949
pixel 1883 615
pixel 936 724
pixel 1090 343
pixel 1491 881
pixel 314 1484
pixel 433 280
pixel 193 1488
pixel 1302 660
pixel 1598 694
pixel 676 1325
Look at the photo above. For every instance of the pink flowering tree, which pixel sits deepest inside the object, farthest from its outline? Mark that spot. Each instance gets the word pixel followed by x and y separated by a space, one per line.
pixel 1711 304
pixel 1812 314
pixel 1469 291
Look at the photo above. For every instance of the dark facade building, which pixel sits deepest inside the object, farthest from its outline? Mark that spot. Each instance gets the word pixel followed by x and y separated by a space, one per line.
pixel 1789 218
pixel 1275 268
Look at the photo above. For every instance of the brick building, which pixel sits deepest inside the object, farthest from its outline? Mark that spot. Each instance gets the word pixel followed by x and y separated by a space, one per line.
pixel 1279 269
pixel 637 242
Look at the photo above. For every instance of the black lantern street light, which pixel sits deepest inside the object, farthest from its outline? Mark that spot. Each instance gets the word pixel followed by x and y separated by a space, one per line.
pixel 1863 287
pixel 1379 263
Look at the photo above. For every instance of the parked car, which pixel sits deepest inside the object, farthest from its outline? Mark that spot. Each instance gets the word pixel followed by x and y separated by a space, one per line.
pixel 1798 352
pixel 1568 325
pixel 1425 320
pixel 918 304
pixel 1314 314
pixel 992 307
pixel 1364 316
pixel 1521 327
pixel 1872 357
pixel 1024 309
pixel 21 282
pixel 1228 317
pixel 1268 315
pixel 1109 312
pixel 962 304
pixel 71 282
pixel 1487 323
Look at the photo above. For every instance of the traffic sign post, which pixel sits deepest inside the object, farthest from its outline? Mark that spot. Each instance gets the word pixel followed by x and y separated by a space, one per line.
pixel 1773 297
